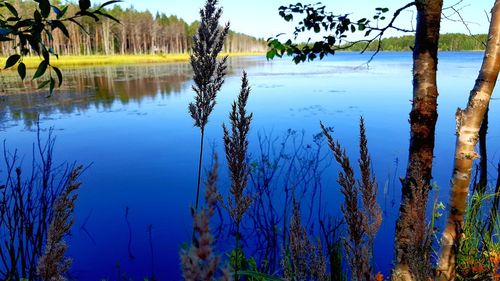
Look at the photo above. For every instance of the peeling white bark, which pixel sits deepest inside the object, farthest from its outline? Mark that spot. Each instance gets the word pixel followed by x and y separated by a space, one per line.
pixel 468 125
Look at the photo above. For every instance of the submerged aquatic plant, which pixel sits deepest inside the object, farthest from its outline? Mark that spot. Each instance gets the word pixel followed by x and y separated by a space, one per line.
pixel 53 265
pixel 209 72
pixel 28 207
pixel 305 260
pixel 199 261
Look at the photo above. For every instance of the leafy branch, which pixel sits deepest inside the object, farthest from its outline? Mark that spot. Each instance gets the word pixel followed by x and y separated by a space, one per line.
pixel 34 34
pixel 315 18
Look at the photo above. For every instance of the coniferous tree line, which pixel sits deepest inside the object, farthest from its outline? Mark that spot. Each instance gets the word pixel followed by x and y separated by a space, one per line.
pixel 139 32
pixel 447 42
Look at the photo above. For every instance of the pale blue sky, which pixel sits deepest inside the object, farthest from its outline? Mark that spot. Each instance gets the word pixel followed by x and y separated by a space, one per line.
pixel 260 17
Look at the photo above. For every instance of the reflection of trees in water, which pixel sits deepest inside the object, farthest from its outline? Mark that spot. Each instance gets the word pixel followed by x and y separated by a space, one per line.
pixel 85 88
pixel 99 87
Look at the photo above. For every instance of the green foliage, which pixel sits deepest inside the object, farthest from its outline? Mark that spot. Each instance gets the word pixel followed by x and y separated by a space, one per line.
pixel 479 250
pixel 248 267
pixel 258 276
pixel 35 34
pixel 315 18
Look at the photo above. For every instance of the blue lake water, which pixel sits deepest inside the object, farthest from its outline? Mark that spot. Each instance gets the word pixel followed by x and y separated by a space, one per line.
pixel 131 125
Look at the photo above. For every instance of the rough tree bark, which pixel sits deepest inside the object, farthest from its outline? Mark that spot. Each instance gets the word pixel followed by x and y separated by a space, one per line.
pixel 468 125
pixel 423 117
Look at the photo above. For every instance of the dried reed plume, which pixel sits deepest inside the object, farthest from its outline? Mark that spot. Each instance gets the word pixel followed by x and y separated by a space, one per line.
pixel 362 221
pixel 306 261
pixel 368 186
pixel 236 147
pixel 53 265
pixel 208 71
pixel 199 263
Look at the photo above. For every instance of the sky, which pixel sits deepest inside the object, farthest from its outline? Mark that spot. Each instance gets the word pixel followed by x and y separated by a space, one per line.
pixel 260 18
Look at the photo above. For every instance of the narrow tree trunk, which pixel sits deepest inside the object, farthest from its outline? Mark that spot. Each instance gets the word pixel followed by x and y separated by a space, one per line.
pixel 480 187
pixel 468 125
pixel 423 117
pixel 494 208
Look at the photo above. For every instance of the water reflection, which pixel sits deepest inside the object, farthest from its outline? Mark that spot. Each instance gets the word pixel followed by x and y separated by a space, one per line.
pixel 98 87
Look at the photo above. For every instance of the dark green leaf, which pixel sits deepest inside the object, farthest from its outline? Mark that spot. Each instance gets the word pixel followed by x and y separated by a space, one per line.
pixel 331 40
pixel 38 17
pixel 84 4
pixel 21 70
pixel 88 14
pixel 61 26
pixel 15 19
pixel 44 6
pixel 385 10
pixel 270 54
pixel 11 9
pixel 12 60
pixel 52 85
pixel 109 3
pixel 42 67
pixel 353 28
pixel 5 31
pixel 43 84
pixel 57 11
pixel 63 12
pixel 79 25
pixel 108 16
pixel 46 55
pixel 59 75
pixel 23 23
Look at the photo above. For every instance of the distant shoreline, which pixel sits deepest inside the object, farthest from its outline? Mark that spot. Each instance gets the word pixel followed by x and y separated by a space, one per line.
pixel 88 60
pixel 103 60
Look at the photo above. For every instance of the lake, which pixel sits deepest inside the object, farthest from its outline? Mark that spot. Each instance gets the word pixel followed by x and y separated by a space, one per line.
pixel 131 125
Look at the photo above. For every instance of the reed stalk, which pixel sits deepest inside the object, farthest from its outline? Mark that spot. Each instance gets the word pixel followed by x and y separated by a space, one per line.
pixel 209 71
pixel 236 147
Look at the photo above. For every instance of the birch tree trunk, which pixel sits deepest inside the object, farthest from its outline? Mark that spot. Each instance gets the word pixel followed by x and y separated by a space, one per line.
pixel 468 125
pixel 423 117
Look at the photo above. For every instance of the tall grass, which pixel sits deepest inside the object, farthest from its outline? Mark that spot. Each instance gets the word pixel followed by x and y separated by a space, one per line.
pixel 199 262
pixel 363 221
pixel 209 72
pixel 236 147
pixel 478 253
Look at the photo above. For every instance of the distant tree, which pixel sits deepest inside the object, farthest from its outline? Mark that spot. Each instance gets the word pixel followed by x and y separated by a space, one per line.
pixel 168 34
pixel 35 33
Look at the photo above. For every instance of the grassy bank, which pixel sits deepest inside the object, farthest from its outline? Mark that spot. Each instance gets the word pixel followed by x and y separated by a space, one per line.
pixel 32 62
